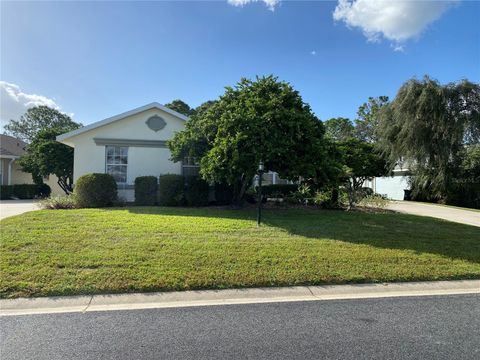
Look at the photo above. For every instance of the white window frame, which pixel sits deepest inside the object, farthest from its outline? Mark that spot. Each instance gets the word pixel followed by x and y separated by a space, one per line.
pixel 117 153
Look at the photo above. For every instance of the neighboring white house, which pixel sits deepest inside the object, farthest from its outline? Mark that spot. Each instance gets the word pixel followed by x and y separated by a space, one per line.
pixel 126 146
pixel 393 187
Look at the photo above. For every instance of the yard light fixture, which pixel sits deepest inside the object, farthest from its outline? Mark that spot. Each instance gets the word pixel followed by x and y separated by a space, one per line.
pixel 261 170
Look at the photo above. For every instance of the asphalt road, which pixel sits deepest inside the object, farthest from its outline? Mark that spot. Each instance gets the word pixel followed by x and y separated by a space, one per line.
pixel 437 327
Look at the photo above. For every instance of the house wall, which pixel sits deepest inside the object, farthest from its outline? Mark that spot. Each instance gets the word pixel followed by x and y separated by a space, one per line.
pixel 90 157
pixel 4 171
pixel 393 187
pixel 20 177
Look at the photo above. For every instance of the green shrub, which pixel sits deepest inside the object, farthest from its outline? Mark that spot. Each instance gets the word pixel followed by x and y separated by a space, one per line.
pixel 196 191
pixel 294 198
pixel 465 195
pixel 251 196
pixel 279 190
pixel 171 190
pixel 364 192
pixel 44 190
pixel 95 190
pixel 146 188
pixel 322 198
pixel 223 194
pixel 332 198
pixel 59 202
pixel 343 198
pixel 303 195
pixel 24 191
pixel 6 192
pixel 374 201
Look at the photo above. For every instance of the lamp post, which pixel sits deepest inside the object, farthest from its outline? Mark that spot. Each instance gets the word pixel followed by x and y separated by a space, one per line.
pixel 261 170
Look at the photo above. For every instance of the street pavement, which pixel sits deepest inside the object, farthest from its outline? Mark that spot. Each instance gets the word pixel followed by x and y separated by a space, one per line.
pixel 430 327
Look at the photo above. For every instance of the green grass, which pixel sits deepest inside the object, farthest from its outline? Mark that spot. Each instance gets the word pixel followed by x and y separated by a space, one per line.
pixel 64 252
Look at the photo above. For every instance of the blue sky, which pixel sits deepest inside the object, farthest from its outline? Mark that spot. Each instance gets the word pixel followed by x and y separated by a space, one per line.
pixel 96 60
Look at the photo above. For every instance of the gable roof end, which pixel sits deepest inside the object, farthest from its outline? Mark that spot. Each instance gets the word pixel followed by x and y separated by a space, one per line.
pixel 154 105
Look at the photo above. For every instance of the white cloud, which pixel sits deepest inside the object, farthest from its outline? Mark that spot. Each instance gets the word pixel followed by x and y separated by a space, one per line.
pixel 271 4
pixel 14 102
pixel 313 53
pixel 394 20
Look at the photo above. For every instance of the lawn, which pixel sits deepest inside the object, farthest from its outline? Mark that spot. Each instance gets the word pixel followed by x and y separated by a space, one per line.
pixel 88 251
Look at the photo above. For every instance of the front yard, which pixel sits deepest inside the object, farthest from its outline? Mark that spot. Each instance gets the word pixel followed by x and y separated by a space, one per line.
pixel 90 251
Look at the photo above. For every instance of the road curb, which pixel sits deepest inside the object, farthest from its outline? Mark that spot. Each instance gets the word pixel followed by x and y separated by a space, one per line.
pixel 66 304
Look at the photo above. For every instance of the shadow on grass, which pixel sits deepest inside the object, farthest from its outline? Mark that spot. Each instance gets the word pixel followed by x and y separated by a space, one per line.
pixel 389 231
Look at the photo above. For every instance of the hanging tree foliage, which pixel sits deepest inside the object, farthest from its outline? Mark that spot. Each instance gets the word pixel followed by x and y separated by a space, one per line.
pixel 39 118
pixel 429 125
pixel 46 156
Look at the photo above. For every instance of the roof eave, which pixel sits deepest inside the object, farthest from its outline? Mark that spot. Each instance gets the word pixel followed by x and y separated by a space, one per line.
pixel 61 138
pixel 13 157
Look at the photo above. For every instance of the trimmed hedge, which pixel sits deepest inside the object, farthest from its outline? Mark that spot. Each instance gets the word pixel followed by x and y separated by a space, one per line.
pixel 279 190
pixel 6 192
pixel 196 191
pixel 24 191
pixel 146 188
pixel 95 190
pixel 223 194
pixel 44 190
pixel 171 190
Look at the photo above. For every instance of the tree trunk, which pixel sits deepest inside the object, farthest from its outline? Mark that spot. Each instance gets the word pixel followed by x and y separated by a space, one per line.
pixel 65 184
pixel 334 196
pixel 240 188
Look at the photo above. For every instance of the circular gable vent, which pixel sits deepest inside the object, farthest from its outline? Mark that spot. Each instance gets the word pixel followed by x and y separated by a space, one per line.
pixel 156 123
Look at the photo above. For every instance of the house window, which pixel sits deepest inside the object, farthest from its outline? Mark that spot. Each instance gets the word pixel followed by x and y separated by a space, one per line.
pixel 116 162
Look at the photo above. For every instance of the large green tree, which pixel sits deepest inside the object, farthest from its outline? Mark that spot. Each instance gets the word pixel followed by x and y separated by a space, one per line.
pixel 361 162
pixel 256 120
pixel 181 107
pixel 368 117
pixel 339 129
pixel 465 190
pixel 46 156
pixel 36 119
pixel 429 125
pixel 199 134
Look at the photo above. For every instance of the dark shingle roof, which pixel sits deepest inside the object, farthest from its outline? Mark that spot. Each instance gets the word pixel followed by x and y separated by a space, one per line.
pixel 10 146
pixel 6 152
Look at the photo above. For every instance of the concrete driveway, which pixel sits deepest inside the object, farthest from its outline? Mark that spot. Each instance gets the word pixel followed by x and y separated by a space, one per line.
pixel 462 216
pixel 15 207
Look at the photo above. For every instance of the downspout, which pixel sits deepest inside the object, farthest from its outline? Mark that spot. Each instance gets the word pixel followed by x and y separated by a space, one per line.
pixel 9 176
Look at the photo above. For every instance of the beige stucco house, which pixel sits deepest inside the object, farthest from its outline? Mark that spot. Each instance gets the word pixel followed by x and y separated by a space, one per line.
pixel 127 145
pixel 11 149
